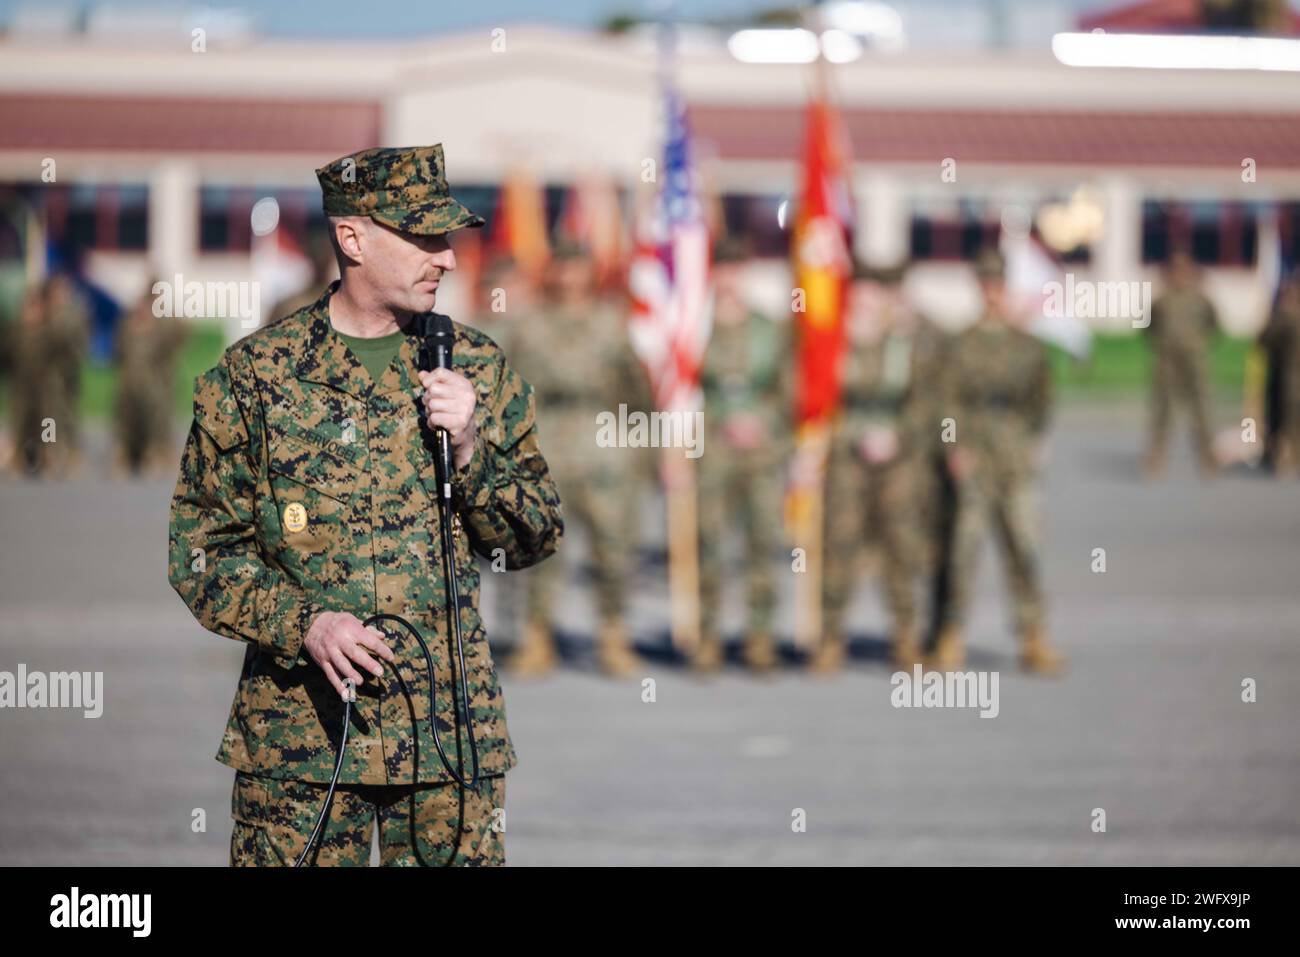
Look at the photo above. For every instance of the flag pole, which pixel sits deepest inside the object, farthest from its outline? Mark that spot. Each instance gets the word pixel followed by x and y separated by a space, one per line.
pixel 683 549
pixel 677 471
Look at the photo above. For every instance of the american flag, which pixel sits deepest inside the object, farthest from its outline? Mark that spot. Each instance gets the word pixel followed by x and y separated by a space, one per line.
pixel 669 275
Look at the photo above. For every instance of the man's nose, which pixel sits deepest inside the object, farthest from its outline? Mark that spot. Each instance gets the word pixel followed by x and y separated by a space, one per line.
pixel 445 259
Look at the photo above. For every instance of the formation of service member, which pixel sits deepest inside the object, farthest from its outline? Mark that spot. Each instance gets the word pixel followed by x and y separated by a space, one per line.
pixel 306 503
pixel 146 353
pixel 1281 342
pixel 878 481
pixel 1182 322
pixel 50 342
pixel 745 379
pixel 576 354
pixel 997 392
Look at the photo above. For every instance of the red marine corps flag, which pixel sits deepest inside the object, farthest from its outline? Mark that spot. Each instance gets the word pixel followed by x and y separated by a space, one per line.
pixel 823 266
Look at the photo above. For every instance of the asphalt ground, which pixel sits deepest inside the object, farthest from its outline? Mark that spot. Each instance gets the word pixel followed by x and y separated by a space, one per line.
pixel 1201 591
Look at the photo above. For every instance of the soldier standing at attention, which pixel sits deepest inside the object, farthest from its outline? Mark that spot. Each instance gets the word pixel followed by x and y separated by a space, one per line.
pixel 67 342
pixel 997 390
pixel 746 383
pixel 577 355
pixel 875 475
pixel 146 353
pixel 1182 321
pixel 1281 340
pixel 31 385
pixel 49 345
pixel 306 503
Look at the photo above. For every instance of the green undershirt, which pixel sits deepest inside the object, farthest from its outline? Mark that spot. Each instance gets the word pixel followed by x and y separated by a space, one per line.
pixel 375 354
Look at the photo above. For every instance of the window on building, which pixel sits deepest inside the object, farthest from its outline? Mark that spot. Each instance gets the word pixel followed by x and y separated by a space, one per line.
pixel 948 230
pixel 97 216
pixel 225 216
pixel 1288 227
pixel 14 204
pixel 758 218
pixel 1215 233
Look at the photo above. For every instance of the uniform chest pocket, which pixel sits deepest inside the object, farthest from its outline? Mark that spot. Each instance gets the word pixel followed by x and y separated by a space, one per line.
pixel 313 489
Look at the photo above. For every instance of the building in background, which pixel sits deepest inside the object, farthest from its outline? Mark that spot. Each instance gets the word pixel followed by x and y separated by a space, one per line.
pixel 160 140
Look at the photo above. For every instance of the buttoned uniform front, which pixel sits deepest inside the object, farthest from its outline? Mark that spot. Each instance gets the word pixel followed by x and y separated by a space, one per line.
pixel 291 419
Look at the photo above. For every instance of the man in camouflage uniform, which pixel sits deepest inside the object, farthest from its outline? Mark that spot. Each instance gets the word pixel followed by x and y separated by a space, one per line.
pixel 997 392
pixel 876 480
pixel 576 353
pixel 67 317
pixel 307 502
pixel 31 385
pixel 146 353
pixel 506 295
pixel 1280 340
pixel 1182 322
pixel 746 383
pixel 50 342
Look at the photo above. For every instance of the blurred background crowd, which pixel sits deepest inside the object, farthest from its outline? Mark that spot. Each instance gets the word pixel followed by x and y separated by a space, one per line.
pixel 926 175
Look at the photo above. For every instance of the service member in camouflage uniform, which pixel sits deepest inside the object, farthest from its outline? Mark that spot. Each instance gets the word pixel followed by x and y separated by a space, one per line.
pixel 50 342
pixel 1281 342
pixel 576 353
pixel 746 383
pixel 306 502
pixel 506 295
pixel 876 482
pixel 146 353
pixel 67 316
pixel 1183 320
pixel 997 391
pixel 31 385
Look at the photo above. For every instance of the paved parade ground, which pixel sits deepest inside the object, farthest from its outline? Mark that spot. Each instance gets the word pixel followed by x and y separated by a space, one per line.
pixel 1201 591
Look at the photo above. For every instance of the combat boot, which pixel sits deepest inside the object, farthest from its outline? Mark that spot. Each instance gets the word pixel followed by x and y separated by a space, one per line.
pixel 828 659
pixel 707 656
pixel 907 647
pixel 536 653
pixel 948 653
pixel 613 655
pixel 1037 656
pixel 760 651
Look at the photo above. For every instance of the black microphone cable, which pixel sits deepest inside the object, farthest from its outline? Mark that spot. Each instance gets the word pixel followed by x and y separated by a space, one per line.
pixel 435 352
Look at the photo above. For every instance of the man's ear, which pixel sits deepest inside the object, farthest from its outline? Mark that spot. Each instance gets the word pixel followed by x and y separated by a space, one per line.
pixel 349 236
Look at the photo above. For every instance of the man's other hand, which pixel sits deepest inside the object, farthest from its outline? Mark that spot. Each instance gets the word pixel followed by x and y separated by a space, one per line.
pixel 338 644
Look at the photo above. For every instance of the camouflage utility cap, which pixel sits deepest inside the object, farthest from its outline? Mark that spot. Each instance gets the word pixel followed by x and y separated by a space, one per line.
pixel 402 188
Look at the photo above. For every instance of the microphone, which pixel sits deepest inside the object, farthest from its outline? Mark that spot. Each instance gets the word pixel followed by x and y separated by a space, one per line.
pixel 437 336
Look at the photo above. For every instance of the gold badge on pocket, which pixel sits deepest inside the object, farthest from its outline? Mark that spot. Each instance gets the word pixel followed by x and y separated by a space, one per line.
pixel 295 517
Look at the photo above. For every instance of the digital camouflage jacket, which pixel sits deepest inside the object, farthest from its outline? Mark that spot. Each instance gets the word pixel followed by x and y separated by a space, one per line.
pixel 305 487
